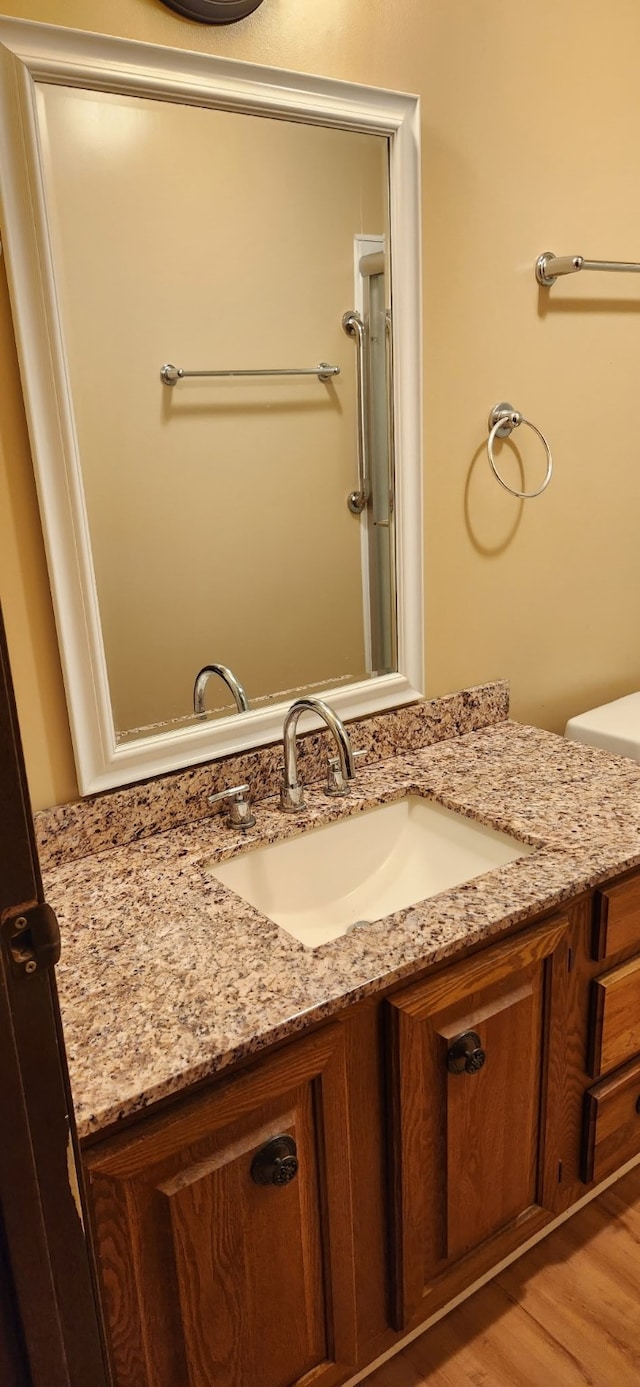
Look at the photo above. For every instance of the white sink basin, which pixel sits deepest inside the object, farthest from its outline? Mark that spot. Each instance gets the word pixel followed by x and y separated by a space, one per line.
pixel 365 866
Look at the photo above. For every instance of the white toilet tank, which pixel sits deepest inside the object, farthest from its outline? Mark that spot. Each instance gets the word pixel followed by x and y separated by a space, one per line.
pixel 614 727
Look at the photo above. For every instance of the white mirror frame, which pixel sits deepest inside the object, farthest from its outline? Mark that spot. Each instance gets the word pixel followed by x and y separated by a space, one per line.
pixel 32 53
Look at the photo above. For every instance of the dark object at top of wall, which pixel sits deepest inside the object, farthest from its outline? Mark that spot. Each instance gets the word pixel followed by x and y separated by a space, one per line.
pixel 214 11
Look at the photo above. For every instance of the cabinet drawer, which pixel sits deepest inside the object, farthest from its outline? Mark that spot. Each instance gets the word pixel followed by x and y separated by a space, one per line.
pixel 616 923
pixel 615 1018
pixel 611 1123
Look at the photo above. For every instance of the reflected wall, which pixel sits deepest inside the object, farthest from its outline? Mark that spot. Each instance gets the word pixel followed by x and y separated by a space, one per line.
pixel 217 508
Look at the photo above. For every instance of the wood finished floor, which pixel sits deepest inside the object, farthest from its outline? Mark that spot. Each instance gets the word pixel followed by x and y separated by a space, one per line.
pixel 567 1313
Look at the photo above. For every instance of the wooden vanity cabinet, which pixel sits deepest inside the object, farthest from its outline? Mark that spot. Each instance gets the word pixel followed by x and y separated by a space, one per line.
pixel 436 1129
pixel 211 1278
pixel 477 1103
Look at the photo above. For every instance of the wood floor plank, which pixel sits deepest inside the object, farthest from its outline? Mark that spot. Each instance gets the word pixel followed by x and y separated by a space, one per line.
pixel 628 1187
pixel 495 1345
pixel 622 1202
pixel 575 1296
pixel 487 1342
pixel 567 1314
pixel 398 1372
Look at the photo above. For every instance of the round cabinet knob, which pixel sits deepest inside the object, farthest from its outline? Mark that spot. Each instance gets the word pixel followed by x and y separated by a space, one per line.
pixel 465 1054
pixel 276 1163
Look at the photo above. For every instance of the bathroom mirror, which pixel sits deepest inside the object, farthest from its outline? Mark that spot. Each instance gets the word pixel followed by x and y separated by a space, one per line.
pixel 214 275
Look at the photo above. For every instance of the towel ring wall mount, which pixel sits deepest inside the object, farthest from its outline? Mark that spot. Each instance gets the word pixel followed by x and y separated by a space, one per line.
pixel 503 419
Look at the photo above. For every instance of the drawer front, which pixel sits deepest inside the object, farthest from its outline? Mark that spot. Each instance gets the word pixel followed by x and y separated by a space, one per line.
pixel 617 918
pixel 612 1123
pixel 615 1018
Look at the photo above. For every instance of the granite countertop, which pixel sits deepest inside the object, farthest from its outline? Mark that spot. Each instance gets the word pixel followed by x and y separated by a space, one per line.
pixel 167 977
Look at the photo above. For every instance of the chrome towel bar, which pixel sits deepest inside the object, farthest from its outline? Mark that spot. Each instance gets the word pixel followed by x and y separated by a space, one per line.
pixel 550 266
pixel 170 374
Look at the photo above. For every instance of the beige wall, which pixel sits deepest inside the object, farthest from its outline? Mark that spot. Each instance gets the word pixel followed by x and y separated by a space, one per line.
pixel 528 144
pixel 217 509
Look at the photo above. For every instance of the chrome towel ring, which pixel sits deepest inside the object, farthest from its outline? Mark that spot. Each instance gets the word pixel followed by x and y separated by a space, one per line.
pixel 503 419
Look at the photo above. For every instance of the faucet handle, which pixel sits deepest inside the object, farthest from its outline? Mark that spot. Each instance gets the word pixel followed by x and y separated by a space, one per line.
pixel 336 783
pixel 240 815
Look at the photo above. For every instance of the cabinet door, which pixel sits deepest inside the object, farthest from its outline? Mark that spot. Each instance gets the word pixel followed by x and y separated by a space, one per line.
pixel 477 1059
pixel 211 1279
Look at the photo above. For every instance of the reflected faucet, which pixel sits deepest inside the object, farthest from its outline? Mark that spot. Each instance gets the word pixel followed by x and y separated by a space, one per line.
pixel 242 702
pixel 292 796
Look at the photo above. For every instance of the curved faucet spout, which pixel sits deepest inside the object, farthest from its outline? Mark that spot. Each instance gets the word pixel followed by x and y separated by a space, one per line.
pixel 292 797
pixel 202 679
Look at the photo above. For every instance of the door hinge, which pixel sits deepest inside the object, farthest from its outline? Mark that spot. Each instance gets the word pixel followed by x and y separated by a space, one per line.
pixel 569 960
pixel 32 939
pixel 559 1172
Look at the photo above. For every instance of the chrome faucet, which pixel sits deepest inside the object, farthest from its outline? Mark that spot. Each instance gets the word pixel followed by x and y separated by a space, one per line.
pixel 292 796
pixel 242 702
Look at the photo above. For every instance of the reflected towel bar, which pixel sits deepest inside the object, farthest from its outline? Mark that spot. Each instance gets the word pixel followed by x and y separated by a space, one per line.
pixel 549 266
pixel 170 374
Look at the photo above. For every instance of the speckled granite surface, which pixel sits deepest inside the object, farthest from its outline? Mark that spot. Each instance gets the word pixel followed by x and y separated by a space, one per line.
pixel 166 977
pixel 124 816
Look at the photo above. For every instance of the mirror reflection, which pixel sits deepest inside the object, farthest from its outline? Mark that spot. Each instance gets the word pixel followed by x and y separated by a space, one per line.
pixel 240 508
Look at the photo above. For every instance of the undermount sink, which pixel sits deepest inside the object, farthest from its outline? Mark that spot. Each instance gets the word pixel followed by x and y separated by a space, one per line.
pixel 365 866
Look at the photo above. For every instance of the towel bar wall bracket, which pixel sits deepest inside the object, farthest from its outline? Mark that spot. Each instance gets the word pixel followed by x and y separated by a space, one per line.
pixel 550 266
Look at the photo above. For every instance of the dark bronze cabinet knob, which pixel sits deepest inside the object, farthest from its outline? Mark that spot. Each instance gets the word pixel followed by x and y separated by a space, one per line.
pixel 465 1054
pixel 276 1163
